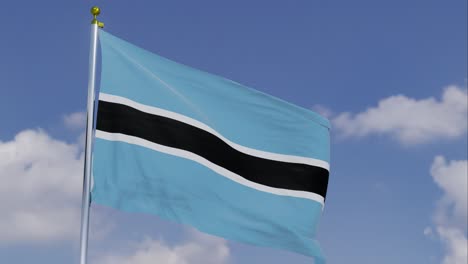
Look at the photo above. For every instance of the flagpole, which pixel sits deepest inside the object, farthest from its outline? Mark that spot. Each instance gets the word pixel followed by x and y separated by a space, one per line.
pixel 86 198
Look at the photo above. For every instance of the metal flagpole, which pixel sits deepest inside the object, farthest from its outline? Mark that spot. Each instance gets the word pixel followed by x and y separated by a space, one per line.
pixel 86 200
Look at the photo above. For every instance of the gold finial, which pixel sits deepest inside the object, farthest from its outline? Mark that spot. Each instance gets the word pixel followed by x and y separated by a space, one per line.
pixel 95 11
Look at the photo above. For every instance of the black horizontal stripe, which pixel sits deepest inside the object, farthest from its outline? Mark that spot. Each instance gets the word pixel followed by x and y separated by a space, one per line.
pixel 119 118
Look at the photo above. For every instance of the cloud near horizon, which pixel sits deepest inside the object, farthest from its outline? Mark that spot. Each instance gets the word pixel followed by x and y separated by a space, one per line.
pixel 197 249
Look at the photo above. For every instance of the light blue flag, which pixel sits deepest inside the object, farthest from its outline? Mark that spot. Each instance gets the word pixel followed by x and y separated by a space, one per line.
pixel 208 152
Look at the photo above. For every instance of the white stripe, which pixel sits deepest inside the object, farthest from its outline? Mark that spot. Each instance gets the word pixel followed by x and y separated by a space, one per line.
pixel 220 170
pixel 185 119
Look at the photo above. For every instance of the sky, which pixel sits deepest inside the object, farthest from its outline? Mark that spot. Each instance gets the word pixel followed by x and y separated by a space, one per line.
pixel 390 75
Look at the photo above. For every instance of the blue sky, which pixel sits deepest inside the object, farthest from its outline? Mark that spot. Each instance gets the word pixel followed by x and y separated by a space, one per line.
pixel 391 76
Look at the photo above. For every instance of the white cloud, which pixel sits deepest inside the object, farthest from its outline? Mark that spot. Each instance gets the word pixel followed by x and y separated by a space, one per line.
pixel 452 178
pixel 40 188
pixel 76 121
pixel 428 232
pixel 323 110
pixel 456 245
pixel 451 212
pixel 198 249
pixel 411 121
